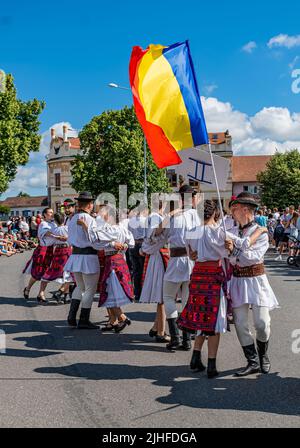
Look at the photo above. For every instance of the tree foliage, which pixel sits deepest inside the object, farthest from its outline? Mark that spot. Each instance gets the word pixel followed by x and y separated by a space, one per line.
pixel 113 155
pixel 22 194
pixel 4 209
pixel 280 182
pixel 19 128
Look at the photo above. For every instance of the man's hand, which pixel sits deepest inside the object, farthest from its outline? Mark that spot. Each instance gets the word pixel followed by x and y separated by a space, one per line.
pixel 62 238
pixel 193 254
pixel 118 246
pixel 263 230
pixel 229 245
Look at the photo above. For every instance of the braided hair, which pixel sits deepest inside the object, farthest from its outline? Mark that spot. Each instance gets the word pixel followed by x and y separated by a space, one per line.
pixel 210 208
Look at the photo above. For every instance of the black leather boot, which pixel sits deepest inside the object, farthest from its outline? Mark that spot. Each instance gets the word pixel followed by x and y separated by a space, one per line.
pixel 262 348
pixel 253 361
pixel 84 320
pixel 75 303
pixel 174 344
pixel 211 368
pixel 196 363
pixel 186 341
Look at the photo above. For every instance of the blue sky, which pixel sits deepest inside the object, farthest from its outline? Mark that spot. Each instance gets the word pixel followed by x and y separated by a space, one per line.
pixel 66 52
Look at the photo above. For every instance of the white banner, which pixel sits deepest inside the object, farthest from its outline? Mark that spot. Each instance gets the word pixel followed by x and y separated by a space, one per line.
pixel 196 165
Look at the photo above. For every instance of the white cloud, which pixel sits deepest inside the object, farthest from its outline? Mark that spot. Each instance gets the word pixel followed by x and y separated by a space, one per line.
pixel 221 116
pixel 270 129
pixel 209 89
pixel 249 47
pixel 284 40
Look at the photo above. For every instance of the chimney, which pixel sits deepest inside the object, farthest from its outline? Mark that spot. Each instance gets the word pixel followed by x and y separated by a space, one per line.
pixel 65 129
pixel 52 133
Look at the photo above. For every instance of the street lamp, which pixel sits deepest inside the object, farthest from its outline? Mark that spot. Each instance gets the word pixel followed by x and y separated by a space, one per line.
pixel 117 86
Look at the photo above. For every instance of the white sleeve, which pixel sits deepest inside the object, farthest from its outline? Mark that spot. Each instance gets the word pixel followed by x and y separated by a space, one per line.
pixel 101 238
pixel 256 252
pixel 129 239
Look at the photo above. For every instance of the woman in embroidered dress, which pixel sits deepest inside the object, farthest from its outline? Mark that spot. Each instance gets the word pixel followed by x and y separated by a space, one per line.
pixel 206 309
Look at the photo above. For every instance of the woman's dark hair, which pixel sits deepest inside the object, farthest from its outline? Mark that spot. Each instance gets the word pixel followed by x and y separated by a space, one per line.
pixel 45 210
pixel 210 207
pixel 58 218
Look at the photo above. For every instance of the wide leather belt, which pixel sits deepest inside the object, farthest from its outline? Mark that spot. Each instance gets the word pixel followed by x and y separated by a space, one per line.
pixel 249 271
pixel 178 252
pixel 84 251
pixel 62 245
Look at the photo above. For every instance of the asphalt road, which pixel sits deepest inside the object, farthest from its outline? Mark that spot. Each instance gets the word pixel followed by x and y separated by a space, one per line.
pixel 53 376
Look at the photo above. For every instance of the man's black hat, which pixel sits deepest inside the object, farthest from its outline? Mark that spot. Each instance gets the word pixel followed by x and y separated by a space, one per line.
pixel 245 198
pixel 85 196
pixel 185 189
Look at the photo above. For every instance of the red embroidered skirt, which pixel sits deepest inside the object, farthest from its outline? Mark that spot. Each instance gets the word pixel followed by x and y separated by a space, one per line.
pixel 118 264
pixel 41 260
pixel 201 310
pixel 56 268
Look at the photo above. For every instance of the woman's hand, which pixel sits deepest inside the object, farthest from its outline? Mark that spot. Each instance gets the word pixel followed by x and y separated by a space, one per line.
pixel 229 245
pixel 193 254
pixel 82 223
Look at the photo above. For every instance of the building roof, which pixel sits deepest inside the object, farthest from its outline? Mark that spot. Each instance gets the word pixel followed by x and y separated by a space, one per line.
pixel 246 168
pixel 74 142
pixel 32 201
pixel 217 138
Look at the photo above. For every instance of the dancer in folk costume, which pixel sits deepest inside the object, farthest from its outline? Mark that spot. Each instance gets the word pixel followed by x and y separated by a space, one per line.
pixel 156 260
pixel 250 289
pixel 206 309
pixel 83 262
pixel 137 226
pixel 67 281
pixel 115 285
pixel 62 252
pixel 42 256
pixel 176 279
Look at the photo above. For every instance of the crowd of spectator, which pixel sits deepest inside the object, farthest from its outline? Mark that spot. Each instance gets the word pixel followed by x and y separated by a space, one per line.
pixel 18 234
pixel 284 229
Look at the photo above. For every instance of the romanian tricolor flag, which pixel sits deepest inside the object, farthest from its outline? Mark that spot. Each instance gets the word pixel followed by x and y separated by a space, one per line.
pixel 167 101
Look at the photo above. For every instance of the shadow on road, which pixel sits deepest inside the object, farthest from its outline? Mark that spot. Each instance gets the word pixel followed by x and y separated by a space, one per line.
pixel 266 393
pixel 60 337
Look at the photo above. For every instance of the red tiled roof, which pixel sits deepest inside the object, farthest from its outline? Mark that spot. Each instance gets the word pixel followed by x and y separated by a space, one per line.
pixel 217 138
pixel 74 142
pixel 246 168
pixel 33 201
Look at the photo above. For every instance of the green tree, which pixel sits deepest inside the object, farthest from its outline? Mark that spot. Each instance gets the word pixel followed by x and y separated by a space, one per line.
pixel 4 209
pixel 22 194
pixel 113 155
pixel 280 182
pixel 19 128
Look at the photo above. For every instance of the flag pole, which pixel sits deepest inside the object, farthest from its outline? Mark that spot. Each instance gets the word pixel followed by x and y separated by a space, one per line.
pixel 217 186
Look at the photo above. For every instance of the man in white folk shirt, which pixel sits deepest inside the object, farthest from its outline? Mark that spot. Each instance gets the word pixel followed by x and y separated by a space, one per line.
pixel 249 287
pixel 177 276
pixel 84 262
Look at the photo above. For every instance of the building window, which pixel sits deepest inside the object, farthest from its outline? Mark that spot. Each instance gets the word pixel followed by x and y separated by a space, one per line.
pixel 57 181
pixel 251 189
pixel 172 177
